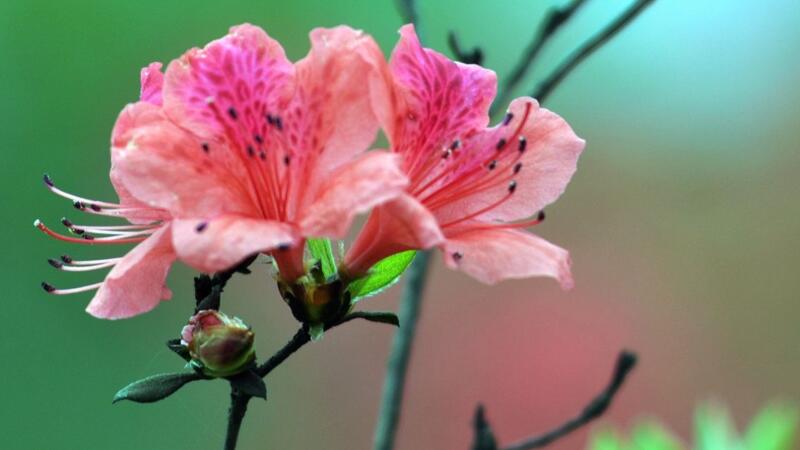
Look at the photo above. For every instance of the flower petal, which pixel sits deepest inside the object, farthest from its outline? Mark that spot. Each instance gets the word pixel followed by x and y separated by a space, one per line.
pixel 132 116
pixel 395 226
pixel 494 255
pixel 540 173
pixel 438 100
pixel 225 90
pixel 152 81
pixel 166 167
pixel 136 283
pixel 330 118
pixel 221 243
pixel 370 180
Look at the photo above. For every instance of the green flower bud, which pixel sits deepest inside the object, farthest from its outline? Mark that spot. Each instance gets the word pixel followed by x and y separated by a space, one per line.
pixel 219 345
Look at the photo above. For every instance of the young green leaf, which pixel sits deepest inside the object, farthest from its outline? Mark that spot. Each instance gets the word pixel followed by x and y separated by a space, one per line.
pixel 714 428
pixel 382 275
pixel 774 428
pixel 316 331
pixel 651 436
pixel 321 250
pixel 156 387
pixel 606 440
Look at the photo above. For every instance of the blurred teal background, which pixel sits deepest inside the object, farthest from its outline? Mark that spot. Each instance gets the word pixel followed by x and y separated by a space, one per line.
pixel 683 221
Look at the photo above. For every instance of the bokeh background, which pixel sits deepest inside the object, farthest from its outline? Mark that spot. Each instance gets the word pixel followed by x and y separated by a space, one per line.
pixel 682 221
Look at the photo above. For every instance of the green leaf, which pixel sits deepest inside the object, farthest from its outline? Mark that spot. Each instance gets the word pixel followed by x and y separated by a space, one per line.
pixel 316 331
pixel 156 387
pixel 250 383
pixel 180 349
pixel 322 251
pixel 606 440
pixel 714 429
pixel 382 275
pixel 375 316
pixel 651 436
pixel 774 428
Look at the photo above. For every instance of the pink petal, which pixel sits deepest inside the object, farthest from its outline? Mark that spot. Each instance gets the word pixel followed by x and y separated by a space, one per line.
pixel 494 255
pixel 219 244
pixel 133 116
pixel 152 82
pixel 166 167
pixel 398 225
pixel 368 181
pixel 226 89
pixel 136 284
pixel 439 100
pixel 330 119
pixel 540 174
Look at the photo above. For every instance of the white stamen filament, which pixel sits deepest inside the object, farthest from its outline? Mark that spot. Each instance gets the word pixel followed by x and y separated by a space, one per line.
pixel 88 287
pixel 76 198
pixel 88 268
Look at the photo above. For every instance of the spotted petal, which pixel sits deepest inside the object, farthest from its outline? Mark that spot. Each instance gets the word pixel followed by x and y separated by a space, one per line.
pixel 494 255
pixel 437 101
pixel 222 242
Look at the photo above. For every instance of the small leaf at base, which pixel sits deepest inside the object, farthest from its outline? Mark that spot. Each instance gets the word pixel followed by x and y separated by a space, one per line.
pixel 249 383
pixel 156 387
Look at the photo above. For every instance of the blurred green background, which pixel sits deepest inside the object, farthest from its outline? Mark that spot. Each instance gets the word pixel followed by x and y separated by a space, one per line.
pixel 682 221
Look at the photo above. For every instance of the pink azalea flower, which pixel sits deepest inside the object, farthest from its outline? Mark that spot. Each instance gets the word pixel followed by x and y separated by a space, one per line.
pixel 136 282
pixel 251 153
pixel 472 189
pixel 232 151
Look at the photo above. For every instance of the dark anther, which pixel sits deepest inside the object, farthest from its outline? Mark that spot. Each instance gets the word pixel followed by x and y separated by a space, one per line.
pixel 66 222
pixel 500 144
pixel 78 231
pixel 457 256
pixel 507 118
pixel 55 263
pixel 283 247
pixel 455 145
pixel 492 165
pixel 258 139
pixel 201 227
pixel 79 204
pixel 517 167
pixel 512 187
pixel 286 160
pixel 270 119
pixel 251 151
pixel 205 146
pixel 262 155
pixel 66 259
pixel 446 154
pixel 47 180
pixel 48 287
pixel 278 123
pixel 95 207
pixel 523 143
pixel 88 237
pixel 540 217
pixel 232 113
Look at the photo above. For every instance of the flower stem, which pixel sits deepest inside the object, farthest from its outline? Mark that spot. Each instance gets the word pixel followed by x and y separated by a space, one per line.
pixel 549 84
pixel 236 414
pixel 392 398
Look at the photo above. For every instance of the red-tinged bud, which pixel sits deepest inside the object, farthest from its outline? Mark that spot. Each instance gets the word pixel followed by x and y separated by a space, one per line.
pixel 219 345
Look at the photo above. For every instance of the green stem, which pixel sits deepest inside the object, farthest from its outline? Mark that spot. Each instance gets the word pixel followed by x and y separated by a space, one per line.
pixel 392 398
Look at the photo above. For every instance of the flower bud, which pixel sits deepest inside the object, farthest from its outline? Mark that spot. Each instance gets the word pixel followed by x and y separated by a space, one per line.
pixel 219 345
pixel 314 303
